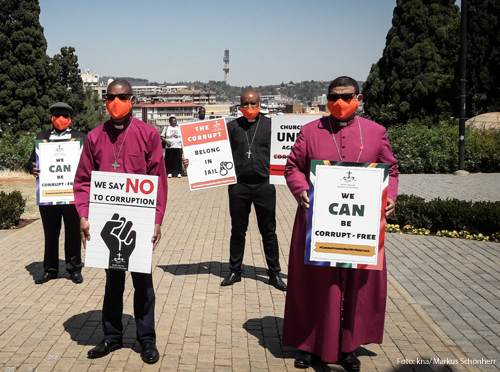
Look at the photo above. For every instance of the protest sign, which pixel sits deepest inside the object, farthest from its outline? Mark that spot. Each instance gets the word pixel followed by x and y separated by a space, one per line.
pixel 122 214
pixel 57 162
pixel 346 217
pixel 207 147
pixel 284 131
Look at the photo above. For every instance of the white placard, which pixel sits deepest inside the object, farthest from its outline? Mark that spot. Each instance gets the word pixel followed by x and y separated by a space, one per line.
pixel 345 214
pixel 57 162
pixel 122 215
pixel 207 147
pixel 284 131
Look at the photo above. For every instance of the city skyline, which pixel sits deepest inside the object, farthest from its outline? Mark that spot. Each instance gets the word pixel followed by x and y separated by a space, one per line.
pixel 269 42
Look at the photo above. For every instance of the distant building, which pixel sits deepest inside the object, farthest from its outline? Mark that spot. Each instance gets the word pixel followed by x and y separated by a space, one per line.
pixel 141 90
pixel 174 94
pixel 322 99
pixel 219 110
pixel 310 110
pixel 293 109
pixel 157 114
pixel 91 81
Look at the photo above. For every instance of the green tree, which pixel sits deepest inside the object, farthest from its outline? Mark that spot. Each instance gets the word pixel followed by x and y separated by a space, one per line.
pixel 89 109
pixel 483 56
pixel 415 78
pixel 93 113
pixel 24 67
pixel 67 81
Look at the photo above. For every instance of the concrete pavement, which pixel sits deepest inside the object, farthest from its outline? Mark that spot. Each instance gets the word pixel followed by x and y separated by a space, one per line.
pixel 443 296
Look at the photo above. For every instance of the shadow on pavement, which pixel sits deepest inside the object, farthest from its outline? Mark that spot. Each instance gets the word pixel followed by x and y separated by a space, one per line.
pixel 35 269
pixel 218 269
pixel 268 331
pixel 86 329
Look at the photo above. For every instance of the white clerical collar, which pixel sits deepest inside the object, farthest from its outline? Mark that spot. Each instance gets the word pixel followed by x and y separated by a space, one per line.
pixel 124 125
pixel 343 123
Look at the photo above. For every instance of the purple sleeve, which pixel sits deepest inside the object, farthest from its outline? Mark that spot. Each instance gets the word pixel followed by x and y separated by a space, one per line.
pixel 387 157
pixel 81 187
pixel 156 166
pixel 296 167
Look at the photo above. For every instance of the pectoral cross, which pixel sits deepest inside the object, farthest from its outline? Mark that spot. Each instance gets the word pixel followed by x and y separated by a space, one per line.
pixel 115 164
pixel 249 152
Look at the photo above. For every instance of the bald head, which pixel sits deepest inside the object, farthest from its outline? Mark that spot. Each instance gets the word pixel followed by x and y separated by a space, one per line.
pixel 250 99
pixel 121 83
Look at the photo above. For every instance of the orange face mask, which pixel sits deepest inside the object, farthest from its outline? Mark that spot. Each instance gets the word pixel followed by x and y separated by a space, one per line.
pixel 250 113
pixel 61 123
pixel 118 108
pixel 341 109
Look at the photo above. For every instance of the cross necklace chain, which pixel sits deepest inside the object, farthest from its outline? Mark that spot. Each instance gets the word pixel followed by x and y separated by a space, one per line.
pixel 361 148
pixel 249 152
pixel 115 165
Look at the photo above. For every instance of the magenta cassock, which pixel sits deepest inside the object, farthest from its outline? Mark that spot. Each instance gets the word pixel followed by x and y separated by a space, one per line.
pixel 333 310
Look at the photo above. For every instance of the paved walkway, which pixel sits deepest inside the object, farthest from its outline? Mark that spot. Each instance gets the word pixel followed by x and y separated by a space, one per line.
pixel 443 296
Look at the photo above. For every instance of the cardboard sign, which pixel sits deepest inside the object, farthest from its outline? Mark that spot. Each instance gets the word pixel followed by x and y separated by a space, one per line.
pixel 284 131
pixel 122 214
pixel 346 217
pixel 57 162
pixel 207 147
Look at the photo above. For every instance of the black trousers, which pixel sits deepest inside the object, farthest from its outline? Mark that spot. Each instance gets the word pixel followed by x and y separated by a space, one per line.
pixel 173 161
pixel 144 306
pixel 263 197
pixel 51 221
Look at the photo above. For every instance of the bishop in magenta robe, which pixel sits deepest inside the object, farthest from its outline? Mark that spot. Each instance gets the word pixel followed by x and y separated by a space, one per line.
pixel 140 152
pixel 329 310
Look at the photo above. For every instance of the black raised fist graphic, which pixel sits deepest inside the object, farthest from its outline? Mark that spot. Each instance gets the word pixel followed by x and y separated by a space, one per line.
pixel 120 240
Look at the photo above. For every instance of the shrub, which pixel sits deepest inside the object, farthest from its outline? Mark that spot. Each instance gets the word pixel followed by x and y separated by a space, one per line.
pixel 15 150
pixel 449 214
pixel 420 149
pixel 11 208
pixel 484 149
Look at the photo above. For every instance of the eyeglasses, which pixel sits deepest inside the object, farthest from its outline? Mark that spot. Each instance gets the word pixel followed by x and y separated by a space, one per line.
pixel 59 115
pixel 335 97
pixel 123 97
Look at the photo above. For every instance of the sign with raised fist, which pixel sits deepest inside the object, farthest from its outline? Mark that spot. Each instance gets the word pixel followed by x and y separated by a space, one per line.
pixel 121 216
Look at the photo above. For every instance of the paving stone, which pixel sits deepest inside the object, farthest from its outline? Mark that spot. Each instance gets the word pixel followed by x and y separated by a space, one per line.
pixel 443 299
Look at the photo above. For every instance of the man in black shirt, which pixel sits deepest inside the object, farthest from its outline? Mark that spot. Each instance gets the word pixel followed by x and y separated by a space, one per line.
pixel 250 138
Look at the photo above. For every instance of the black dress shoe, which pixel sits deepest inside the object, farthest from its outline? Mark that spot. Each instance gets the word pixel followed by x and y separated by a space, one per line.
pixel 232 278
pixel 149 353
pixel 45 278
pixel 103 349
pixel 277 282
pixel 350 362
pixel 303 359
pixel 76 277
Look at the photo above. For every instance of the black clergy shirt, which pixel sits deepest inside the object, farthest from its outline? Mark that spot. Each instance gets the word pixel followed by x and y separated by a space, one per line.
pixel 256 168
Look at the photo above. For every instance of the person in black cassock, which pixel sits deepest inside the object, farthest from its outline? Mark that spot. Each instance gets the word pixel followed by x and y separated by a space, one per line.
pixel 250 138
pixel 52 214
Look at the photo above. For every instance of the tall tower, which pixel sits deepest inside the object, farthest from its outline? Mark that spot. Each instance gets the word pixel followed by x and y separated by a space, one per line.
pixel 226 66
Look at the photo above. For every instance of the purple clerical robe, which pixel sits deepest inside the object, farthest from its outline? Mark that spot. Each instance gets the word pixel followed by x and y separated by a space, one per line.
pixel 138 151
pixel 332 310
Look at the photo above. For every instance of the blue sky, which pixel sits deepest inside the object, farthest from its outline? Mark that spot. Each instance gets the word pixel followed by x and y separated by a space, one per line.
pixel 269 41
